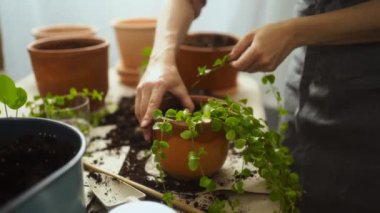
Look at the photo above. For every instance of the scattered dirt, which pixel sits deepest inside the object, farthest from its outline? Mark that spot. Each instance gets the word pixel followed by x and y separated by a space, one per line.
pixel 27 160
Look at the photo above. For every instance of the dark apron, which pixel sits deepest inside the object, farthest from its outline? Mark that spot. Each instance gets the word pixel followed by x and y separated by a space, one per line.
pixel 337 127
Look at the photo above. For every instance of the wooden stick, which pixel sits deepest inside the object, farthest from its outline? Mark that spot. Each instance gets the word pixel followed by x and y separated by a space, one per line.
pixel 176 202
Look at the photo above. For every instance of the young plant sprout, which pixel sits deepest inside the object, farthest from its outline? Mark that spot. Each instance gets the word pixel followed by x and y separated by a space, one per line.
pixel 258 146
pixel 11 96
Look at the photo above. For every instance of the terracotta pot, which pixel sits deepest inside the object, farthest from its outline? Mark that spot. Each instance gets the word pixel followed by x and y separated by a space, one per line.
pixel 200 49
pixel 70 30
pixel 214 143
pixel 62 63
pixel 133 35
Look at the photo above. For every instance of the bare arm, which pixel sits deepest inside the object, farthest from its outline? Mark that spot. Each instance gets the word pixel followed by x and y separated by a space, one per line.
pixel 161 74
pixel 265 48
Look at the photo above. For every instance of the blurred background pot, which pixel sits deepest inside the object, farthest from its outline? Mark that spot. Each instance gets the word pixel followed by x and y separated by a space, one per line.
pixel 41 167
pixel 62 63
pixel 70 30
pixel 133 37
pixel 176 161
pixel 200 49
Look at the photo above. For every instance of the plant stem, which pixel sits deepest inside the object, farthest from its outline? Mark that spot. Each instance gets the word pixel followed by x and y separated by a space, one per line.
pixel 6 111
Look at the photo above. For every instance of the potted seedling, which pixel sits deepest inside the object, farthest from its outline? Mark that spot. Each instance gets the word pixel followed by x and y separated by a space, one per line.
pixel 72 108
pixel 40 167
pixel 227 120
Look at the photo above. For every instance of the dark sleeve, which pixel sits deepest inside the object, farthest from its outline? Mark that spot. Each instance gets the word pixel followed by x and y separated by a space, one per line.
pixel 197 6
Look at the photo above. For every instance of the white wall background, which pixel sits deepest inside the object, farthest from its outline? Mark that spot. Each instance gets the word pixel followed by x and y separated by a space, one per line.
pixel 18 17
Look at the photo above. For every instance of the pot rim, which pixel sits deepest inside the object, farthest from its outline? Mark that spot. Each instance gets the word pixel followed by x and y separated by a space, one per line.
pixel 32 46
pixel 43 31
pixel 125 23
pixel 209 49
pixel 43 183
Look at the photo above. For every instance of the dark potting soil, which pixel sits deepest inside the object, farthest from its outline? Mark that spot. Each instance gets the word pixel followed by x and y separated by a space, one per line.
pixel 213 41
pixel 27 160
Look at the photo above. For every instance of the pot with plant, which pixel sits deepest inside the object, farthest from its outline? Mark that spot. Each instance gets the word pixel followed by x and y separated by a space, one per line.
pixel 231 121
pixel 40 167
pixel 62 63
pixel 203 49
pixel 135 38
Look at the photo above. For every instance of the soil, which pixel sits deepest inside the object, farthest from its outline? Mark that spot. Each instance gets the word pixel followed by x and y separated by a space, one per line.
pixel 209 40
pixel 27 160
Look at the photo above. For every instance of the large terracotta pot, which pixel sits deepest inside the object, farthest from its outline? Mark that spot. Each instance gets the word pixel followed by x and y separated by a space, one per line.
pixel 214 143
pixel 200 49
pixel 62 63
pixel 70 30
pixel 133 35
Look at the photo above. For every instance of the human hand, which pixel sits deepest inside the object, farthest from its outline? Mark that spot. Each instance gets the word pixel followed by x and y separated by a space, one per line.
pixel 265 48
pixel 159 77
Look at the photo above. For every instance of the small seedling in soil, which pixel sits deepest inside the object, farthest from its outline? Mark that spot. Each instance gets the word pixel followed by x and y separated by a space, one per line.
pixel 11 96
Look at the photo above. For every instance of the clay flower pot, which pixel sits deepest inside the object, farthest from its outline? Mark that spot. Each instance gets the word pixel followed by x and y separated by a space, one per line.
pixel 214 143
pixel 71 30
pixel 62 63
pixel 200 49
pixel 133 35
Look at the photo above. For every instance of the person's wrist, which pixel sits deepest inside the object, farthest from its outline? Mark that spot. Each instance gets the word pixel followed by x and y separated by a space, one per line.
pixel 297 27
pixel 165 55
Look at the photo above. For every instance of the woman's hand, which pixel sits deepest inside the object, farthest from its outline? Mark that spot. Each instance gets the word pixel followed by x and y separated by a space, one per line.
pixel 160 77
pixel 265 48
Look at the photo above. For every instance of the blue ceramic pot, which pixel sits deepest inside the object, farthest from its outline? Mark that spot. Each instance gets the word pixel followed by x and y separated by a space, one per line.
pixel 62 190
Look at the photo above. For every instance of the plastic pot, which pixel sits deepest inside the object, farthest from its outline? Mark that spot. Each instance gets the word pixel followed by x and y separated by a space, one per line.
pixel 62 190
pixel 200 49
pixel 133 36
pixel 69 30
pixel 214 143
pixel 62 63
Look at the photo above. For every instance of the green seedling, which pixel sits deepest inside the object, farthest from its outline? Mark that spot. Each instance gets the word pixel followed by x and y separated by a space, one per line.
pixel 11 96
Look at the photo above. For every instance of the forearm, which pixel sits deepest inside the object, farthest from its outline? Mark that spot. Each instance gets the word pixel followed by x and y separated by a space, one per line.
pixel 173 24
pixel 357 24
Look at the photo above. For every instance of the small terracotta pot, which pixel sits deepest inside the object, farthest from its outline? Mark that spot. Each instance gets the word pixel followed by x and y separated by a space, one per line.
pixel 62 63
pixel 69 30
pixel 214 143
pixel 200 49
pixel 133 35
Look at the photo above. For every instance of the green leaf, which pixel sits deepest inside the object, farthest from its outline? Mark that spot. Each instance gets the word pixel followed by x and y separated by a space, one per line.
pixel 240 143
pixel 193 161
pixel 207 183
pixel 202 70
pixel 166 127
pixel 8 92
pixel 238 186
pixel 201 151
pixel 230 135
pixel 218 62
pixel 168 198
pixel 171 113
pixel 164 144
pixel 20 100
pixel 147 51
pixel 282 111
pixel 268 78
pixel 157 114
pixel 235 107
pixel 217 207
pixel 245 173
pixel 187 134
pixel 232 122
pixel 216 124
pixel 243 101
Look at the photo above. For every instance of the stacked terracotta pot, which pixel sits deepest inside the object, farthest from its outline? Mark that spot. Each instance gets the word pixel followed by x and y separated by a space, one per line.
pixel 133 36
